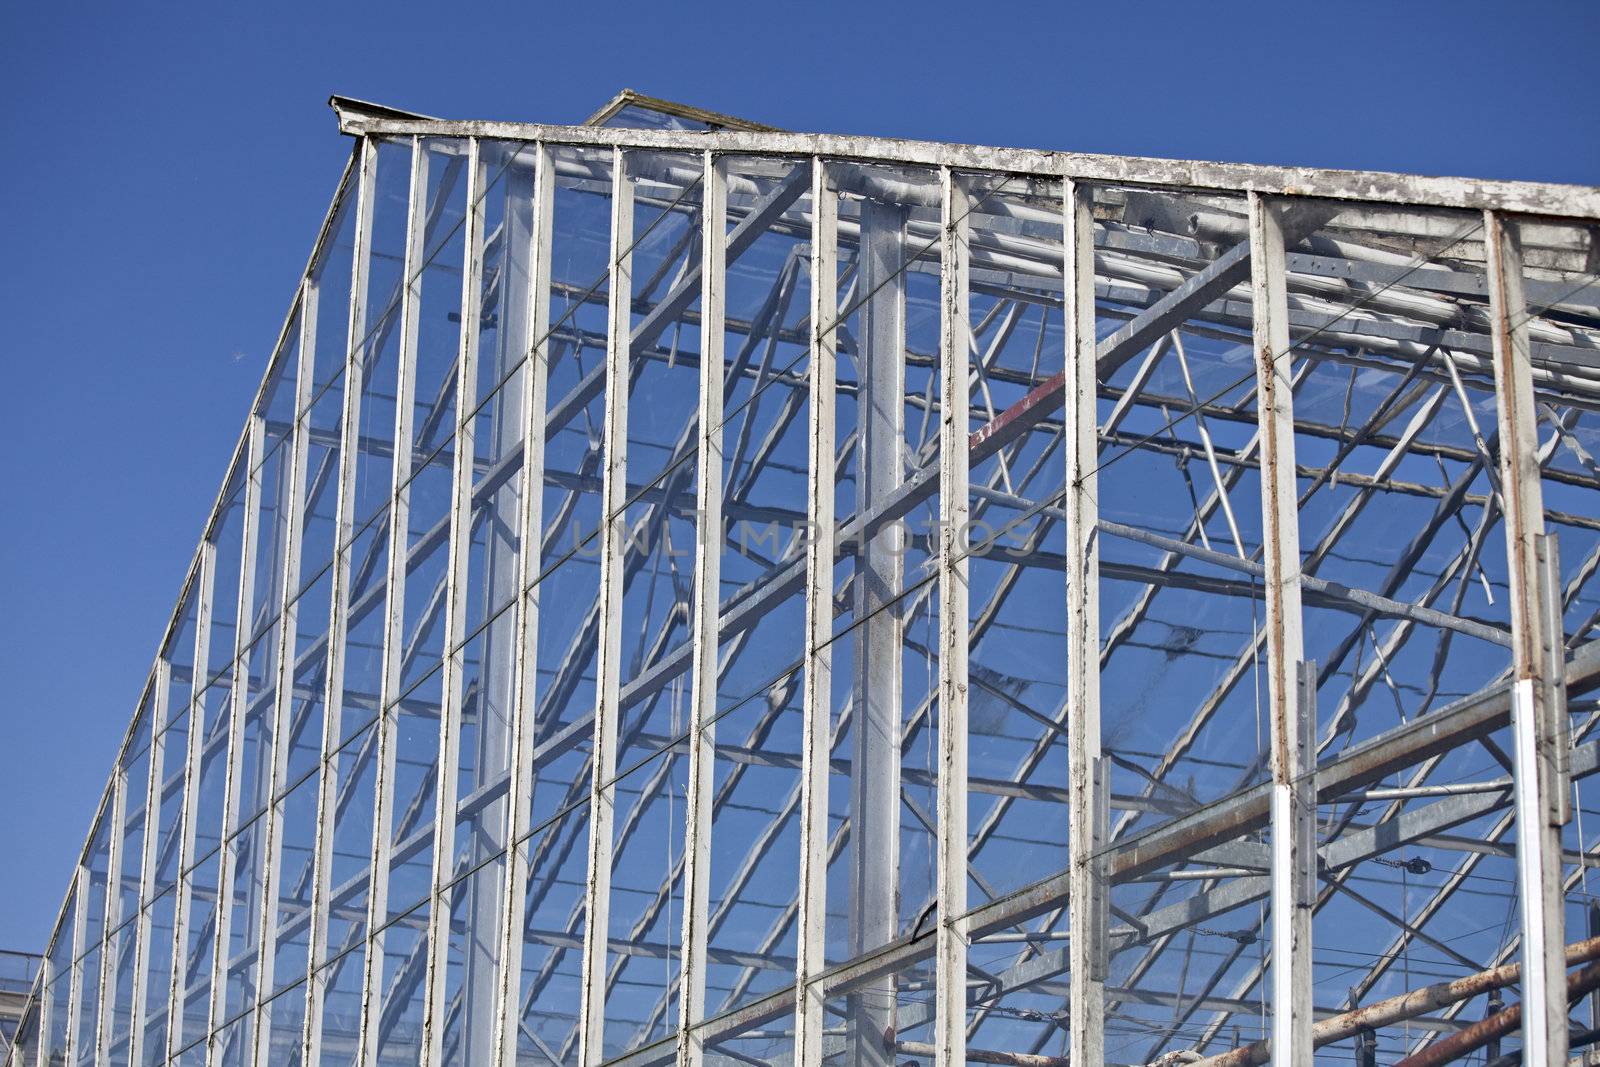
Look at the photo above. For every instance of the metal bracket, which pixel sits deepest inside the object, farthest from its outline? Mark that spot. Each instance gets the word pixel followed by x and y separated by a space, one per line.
pixel 1555 732
pixel 1303 776
pixel 1099 954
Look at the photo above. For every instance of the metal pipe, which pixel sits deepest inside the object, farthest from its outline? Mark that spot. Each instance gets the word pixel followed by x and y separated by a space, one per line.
pixel 1402 1007
pixel 1452 789
pixel 1481 1033
pixel 980 1055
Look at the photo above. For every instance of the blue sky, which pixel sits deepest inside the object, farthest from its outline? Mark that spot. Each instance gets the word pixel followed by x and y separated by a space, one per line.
pixel 165 169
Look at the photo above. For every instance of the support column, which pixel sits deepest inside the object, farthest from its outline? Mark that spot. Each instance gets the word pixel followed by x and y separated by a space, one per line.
pixel 525 698
pixel 238 709
pixel 950 950
pixel 41 1051
pixel 1087 893
pixel 111 913
pixel 879 643
pixel 143 925
pixel 455 611
pixel 704 609
pixel 394 612
pixel 1538 697
pixel 293 519
pixel 339 609
pixel 1594 997
pixel 608 664
pixel 1293 854
pixel 816 725
pixel 500 585
pixel 80 922
pixel 178 984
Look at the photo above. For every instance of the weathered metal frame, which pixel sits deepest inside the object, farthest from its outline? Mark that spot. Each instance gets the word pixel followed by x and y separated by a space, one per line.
pixel 1216 833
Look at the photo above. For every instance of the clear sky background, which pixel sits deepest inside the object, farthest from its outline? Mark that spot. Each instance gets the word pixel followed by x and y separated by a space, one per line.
pixel 164 168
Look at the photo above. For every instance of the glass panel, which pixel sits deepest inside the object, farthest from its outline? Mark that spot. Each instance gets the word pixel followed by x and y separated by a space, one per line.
pixel 179 652
pixel 330 277
pixel 379 345
pixel 158 950
pixel 194 981
pixel 755 832
pixel 281 1021
pixel 227 536
pixel 293 881
pixel 95 891
pixel 136 783
pixel 399 1025
pixel 1015 539
pixel 556 859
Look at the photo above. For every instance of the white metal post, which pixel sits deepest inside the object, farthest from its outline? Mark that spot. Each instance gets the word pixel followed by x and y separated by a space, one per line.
pixel 178 984
pixel 238 707
pixel 877 715
pixel 455 613
pixel 951 825
pixel 608 668
pixel 530 530
pixel 394 612
pixel 816 727
pixel 1086 890
pixel 80 923
pixel 707 599
pixel 271 854
pixel 1538 709
pixel 111 913
pixel 147 855
pixel 1293 893
pixel 338 610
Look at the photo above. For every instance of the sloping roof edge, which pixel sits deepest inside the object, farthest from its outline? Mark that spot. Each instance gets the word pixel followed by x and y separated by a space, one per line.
pixel 1477 194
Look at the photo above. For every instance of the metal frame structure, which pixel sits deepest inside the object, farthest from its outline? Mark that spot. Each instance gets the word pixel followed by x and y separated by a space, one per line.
pixel 693 593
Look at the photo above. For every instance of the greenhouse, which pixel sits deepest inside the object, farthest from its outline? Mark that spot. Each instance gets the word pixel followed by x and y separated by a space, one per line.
pixel 689 592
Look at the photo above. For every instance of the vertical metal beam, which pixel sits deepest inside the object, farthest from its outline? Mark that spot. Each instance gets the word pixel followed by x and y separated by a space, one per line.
pixel 1293 895
pixel 816 726
pixel 293 498
pixel 1086 889
pixel 1594 997
pixel 178 985
pixel 80 922
pixel 1366 1049
pixel 879 642
pixel 530 528
pixel 142 931
pixel 455 613
pixel 338 610
pixel 613 534
pixel 394 612
pixel 482 905
pixel 238 708
pixel 950 952
pixel 47 979
pixel 707 600
pixel 111 912
pixel 1538 709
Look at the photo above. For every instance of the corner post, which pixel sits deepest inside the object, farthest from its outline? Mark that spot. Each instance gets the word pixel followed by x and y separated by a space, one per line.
pixel 821 549
pixel 1538 698
pixel 950 941
pixel 703 619
pixel 1280 528
pixel 608 662
pixel 530 531
pixel 1086 889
